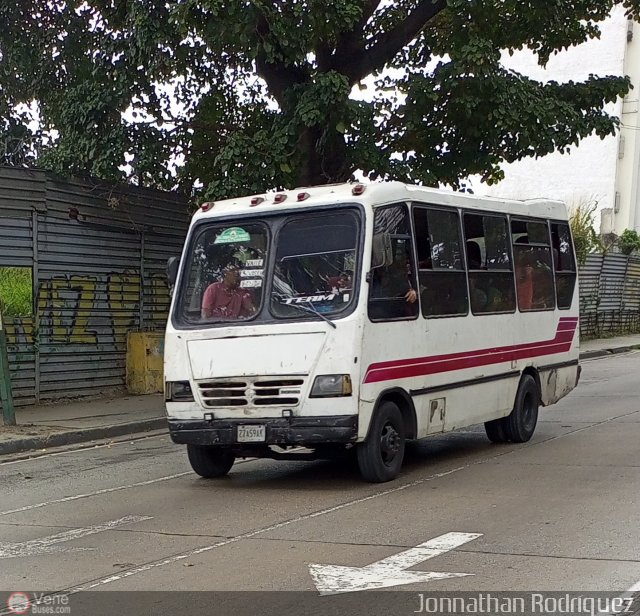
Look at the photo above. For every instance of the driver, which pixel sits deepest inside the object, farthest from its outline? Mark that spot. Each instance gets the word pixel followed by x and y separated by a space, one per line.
pixel 226 299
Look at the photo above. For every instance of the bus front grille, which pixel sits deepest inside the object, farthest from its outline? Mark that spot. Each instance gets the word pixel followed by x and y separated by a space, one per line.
pixel 251 391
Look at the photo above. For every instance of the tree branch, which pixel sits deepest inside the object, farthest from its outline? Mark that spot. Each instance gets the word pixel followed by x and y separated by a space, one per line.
pixel 390 43
pixel 350 43
pixel 279 77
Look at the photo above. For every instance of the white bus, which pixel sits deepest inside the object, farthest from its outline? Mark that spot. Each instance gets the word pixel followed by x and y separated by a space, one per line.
pixel 360 316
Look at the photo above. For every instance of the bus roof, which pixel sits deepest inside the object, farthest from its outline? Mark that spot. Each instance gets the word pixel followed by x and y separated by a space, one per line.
pixel 374 195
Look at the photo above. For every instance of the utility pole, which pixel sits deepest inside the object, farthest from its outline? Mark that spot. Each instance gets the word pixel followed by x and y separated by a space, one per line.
pixel 8 412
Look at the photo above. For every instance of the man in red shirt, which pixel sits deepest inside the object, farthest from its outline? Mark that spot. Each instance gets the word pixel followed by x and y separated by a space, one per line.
pixel 226 299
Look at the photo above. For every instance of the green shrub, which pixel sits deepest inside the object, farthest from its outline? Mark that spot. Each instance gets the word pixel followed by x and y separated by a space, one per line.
pixel 629 241
pixel 16 291
pixel 585 238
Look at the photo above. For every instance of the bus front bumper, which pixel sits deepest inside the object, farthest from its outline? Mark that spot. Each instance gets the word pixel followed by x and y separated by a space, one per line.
pixel 278 431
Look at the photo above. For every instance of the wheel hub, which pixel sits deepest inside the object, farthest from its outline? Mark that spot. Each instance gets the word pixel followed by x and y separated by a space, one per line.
pixel 389 443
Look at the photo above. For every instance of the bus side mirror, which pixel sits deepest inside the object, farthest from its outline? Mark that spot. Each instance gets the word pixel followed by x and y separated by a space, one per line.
pixel 382 253
pixel 173 264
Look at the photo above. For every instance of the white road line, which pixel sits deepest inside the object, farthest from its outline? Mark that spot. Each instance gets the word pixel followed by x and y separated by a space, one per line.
pixel 254 533
pixel 48 545
pixel 68 499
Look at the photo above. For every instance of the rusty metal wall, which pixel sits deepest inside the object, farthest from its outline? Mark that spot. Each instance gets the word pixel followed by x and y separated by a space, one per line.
pixel 98 252
pixel 610 295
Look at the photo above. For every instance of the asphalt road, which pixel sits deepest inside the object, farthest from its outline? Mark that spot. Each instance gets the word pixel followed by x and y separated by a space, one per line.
pixel 561 513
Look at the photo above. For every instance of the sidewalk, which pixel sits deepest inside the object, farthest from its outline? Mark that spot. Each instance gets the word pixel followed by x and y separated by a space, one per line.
pixel 608 346
pixel 42 427
pixel 54 425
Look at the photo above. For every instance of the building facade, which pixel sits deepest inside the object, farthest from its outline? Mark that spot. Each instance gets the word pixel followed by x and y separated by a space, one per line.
pixel 604 172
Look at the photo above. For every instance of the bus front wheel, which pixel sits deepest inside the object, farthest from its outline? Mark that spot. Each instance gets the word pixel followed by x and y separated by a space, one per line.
pixel 380 456
pixel 210 462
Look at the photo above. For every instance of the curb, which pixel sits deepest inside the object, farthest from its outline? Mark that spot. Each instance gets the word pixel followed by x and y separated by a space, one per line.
pixel 605 352
pixel 81 436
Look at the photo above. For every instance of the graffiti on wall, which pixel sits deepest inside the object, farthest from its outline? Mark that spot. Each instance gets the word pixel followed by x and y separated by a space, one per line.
pixel 94 310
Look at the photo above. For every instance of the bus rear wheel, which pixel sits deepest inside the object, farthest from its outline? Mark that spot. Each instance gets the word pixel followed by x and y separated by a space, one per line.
pixel 380 456
pixel 520 425
pixel 495 431
pixel 210 462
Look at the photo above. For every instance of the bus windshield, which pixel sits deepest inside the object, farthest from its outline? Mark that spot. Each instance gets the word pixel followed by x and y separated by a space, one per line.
pixel 303 263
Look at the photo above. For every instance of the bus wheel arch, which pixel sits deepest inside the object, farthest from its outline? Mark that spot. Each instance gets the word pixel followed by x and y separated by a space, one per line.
pixel 535 375
pixel 404 402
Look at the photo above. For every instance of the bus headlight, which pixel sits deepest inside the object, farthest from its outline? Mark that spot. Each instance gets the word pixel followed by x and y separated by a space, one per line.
pixel 178 391
pixel 331 386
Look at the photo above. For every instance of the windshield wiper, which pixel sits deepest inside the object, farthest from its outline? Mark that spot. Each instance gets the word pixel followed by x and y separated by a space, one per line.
pixel 310 309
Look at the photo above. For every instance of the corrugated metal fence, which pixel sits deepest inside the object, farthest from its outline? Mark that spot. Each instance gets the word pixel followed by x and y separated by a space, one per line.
pixel 609 295
pixel 98 254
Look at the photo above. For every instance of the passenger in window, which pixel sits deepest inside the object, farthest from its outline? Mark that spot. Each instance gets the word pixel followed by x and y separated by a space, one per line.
pixel 524 279
pixel 394 281
pixel 226 299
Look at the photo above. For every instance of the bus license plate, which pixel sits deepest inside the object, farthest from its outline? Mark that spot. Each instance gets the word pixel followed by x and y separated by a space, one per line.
pixel 251 434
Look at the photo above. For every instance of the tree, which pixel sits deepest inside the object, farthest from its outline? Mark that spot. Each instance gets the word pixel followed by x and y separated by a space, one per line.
pixel 251 94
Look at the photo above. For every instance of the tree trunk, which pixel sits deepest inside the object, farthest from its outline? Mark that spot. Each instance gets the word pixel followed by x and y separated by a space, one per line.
pixel 322 152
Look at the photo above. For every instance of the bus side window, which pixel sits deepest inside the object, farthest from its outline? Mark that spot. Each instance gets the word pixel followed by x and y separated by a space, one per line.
pixel 532 257
pixel 564 264
pixel 489 264
pixel 392 294
pixel 443 281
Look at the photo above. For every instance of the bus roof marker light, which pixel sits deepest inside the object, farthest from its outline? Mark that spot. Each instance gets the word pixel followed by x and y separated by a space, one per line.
pixel 279 198
pixel 358 189
pixel 256 201
pixel 302 196
pixel 205 207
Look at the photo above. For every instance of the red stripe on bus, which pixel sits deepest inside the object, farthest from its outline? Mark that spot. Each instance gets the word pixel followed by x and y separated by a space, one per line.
pixel 423 366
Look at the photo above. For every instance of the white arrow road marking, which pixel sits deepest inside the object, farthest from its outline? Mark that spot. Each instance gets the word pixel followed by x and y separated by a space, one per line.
pixel 49 545
pixel 332 579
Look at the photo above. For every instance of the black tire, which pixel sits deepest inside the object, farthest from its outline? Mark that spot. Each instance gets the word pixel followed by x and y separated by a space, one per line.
pixel 520 425
pixel 495 430
pixel 380 456
pixel 210 462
